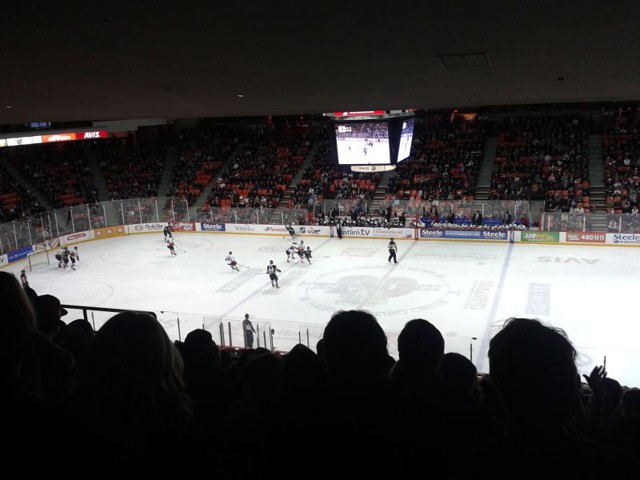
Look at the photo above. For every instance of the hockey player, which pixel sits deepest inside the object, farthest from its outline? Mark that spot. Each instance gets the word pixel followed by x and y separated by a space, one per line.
pixel 272 270
pixel 72 257
pixel 167 232
pixel 300 252
pixel 307 254
pixel 171 247
pixel 290 253
pixel 75 249
pixel 23 279
pixel 291 231
pixel 59 258
pixel 65 257
pixel 231 261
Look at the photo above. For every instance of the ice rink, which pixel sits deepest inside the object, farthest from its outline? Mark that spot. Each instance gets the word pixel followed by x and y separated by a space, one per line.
pixel 465 288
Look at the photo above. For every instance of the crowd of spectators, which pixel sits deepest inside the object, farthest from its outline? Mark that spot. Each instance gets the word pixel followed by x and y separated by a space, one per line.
pixel 263 167
pixel 621 152
pixel 538 157
pixel 59 170
pixel 132 165
pixel 325 179
pixel 445 156
pixel 543 158
pixel 201 154
pixel 133 397
pixel 16 201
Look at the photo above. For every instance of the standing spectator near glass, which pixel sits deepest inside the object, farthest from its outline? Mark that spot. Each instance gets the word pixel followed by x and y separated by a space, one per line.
pixel 247 328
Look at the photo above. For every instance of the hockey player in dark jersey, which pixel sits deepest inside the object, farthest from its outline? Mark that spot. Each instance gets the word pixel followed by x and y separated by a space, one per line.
pixel 291 231
pixel 307 254
pixel 272 270
pixel 167 232
pixel 65 257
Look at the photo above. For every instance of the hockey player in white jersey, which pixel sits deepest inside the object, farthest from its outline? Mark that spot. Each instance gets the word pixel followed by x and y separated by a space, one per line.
pixel 292 252
pixel 231 261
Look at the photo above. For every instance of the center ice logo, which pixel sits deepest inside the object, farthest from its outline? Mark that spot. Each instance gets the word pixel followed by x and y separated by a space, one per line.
pixel 408 290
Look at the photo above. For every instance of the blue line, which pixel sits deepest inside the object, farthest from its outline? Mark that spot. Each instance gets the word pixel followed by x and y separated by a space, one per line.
pixel 484 346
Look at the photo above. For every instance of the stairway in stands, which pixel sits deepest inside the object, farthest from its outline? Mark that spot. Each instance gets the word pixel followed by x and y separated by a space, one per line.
pixel 275 216
pixel 96 173
pixel 483 184
pixel 596 180
pixel 202 199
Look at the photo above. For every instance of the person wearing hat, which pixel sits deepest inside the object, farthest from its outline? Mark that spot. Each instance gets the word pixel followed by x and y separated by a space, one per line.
pixel 56 362
pixel 49 313
pixel 247 328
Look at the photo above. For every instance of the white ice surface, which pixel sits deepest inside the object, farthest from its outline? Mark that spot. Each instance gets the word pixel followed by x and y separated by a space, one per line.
pixel 465 289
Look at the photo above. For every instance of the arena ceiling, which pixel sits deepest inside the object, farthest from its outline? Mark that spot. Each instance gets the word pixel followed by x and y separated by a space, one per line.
pixel 79 60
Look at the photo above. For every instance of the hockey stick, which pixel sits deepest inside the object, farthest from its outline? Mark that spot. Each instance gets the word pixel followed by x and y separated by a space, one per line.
pixel 182 250
pixel 243 266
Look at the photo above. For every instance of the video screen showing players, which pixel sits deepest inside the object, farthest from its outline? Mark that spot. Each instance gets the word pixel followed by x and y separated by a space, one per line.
pixel 406 136
pixel 363 143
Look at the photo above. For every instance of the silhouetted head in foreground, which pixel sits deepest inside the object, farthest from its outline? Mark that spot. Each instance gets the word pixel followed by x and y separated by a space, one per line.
pixel 355 347
pixel 533 366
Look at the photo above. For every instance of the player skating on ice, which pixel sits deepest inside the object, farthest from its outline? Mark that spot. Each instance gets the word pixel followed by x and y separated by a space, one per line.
pixel 231 261
pixel 272 270
pixel 307 254
pixel 59 258
pixel 300 252
pixel 171 247
pixel 291 231
pixel 75 249
pixel 167 232
pixel 65 258
pixel 291 251
pixel 72 257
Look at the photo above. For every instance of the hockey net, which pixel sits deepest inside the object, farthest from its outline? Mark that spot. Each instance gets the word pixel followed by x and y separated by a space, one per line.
pixel 39 259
